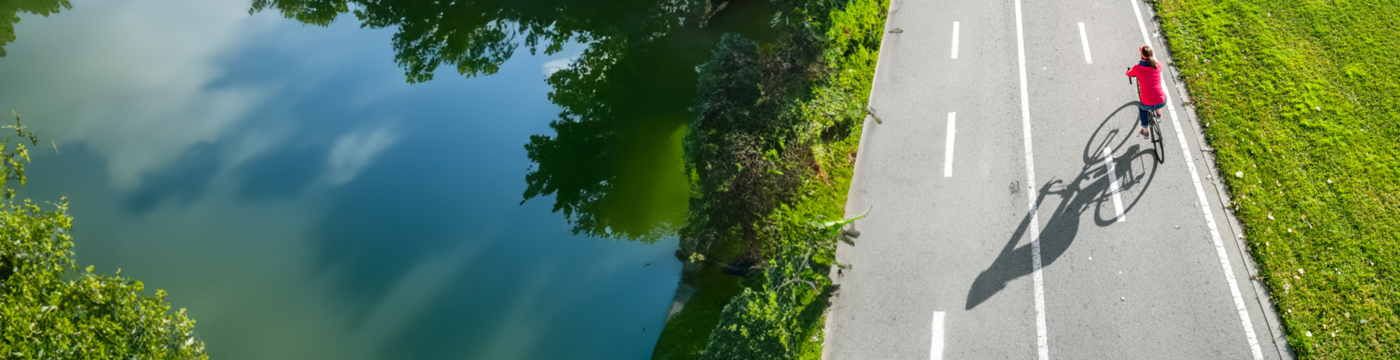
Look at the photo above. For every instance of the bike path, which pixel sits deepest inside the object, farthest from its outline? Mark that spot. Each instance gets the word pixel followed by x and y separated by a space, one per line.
pixel 1150 286
pixel 885 303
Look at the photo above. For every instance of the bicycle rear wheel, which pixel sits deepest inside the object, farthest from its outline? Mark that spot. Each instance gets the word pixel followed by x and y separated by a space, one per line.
pixel 1160 151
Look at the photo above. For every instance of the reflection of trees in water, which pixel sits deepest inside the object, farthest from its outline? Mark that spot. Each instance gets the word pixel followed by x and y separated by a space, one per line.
pixel 614 164
pixel 9 15
pixel 478 36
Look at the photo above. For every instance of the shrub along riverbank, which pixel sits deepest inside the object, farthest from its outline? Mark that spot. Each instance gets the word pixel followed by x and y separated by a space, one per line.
pixel 51 310
pixel 1298 99
pixel 770 152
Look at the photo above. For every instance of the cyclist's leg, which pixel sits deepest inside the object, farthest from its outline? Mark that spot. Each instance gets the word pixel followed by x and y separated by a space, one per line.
pixel 1144 111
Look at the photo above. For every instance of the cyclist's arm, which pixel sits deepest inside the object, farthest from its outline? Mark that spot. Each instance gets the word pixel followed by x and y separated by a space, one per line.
pixel 1132 71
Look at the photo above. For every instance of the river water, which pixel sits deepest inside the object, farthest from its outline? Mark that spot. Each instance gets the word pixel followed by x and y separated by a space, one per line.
pixel 285 183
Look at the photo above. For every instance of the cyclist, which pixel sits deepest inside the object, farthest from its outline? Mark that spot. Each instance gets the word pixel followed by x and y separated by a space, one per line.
pixel 1150 91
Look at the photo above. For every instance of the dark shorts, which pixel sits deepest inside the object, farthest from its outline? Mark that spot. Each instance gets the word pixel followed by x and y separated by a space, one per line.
pixel 1144 111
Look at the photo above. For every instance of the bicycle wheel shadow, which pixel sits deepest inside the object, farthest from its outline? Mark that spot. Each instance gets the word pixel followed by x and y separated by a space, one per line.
pixel 1134 167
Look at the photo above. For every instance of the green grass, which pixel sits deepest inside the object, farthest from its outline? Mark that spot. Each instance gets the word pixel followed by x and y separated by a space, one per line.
pixel 1302 99
pixel 686 333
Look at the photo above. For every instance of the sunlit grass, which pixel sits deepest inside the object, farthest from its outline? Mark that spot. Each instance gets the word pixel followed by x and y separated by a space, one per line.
pixel 1301 102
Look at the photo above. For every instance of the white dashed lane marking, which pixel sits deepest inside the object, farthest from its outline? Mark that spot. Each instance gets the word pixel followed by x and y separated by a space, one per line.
pixel 1113 185
pixel 955 39
pixel 948 153
pixel 1084 39
pixel 935 350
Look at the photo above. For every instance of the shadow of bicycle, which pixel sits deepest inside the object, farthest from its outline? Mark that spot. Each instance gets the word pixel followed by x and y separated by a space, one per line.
pixel 1134 168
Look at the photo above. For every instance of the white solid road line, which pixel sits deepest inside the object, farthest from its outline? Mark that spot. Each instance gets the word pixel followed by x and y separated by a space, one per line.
pixel 948 153
pixel 935 350
pixel 1084 39
pixel 955 39
pixel 1113 184
pixel 1042 343
pixel 1205 209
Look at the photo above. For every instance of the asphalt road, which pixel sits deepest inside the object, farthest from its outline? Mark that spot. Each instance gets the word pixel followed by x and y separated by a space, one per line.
pixel 1130 263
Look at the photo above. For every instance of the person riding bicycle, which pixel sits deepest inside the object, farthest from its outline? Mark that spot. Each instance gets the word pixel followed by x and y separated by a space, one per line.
pixel 1152 98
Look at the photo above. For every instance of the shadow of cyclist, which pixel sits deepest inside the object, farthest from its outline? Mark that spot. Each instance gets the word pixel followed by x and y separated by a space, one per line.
pixel 1090 190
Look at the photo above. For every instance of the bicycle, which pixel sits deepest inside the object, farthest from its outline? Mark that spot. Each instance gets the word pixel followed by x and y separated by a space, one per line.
pixel 1159 151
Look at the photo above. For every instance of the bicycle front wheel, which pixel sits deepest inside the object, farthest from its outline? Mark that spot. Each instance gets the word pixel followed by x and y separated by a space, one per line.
pixel 1160 151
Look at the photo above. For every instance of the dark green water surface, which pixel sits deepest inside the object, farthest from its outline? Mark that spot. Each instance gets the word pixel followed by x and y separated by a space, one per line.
pixel 375 179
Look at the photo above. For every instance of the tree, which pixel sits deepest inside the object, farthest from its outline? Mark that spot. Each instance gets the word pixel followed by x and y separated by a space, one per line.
pixel 9 15
pixel 739 149
pixel 50 309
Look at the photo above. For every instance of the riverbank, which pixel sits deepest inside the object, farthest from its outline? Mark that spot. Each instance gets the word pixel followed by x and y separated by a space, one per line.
pixel 787 176
pixel 1297 101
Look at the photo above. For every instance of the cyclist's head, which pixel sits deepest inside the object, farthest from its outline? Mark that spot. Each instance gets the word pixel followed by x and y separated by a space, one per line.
pixel 1147 55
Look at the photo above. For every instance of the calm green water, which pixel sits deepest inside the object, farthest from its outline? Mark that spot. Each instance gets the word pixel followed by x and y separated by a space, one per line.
pixel 287 185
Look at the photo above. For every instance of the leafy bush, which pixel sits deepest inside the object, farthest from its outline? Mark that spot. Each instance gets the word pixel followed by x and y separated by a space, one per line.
pixel 740 165
pixel 811 92
pixel 768 324
pixel 49 310
pixel 753 326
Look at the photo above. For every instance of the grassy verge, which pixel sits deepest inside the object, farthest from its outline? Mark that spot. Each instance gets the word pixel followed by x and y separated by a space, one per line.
pixel 780 313
pixel 1299 100
pixel 686 333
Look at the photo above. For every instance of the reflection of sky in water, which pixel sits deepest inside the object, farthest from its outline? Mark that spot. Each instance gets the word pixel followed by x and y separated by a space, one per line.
pixel 288 187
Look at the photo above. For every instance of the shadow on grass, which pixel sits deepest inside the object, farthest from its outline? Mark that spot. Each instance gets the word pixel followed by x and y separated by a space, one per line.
pixel 810 323
pixel 685 334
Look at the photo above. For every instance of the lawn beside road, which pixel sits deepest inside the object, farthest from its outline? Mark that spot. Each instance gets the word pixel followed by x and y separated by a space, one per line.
pixel 1301 103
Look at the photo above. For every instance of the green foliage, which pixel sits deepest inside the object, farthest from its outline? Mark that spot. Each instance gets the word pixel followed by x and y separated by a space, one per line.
pixel 50 310
pixel 855 30
pixel 1298 99
pixel 753 326
pixel 9 15
pixel 11 167
pixel 784 319
pixel 769 323
pixel 728 89
pixel 736 148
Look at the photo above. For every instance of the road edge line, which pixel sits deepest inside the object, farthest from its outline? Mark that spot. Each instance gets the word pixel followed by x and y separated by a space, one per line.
pixel 1263 296
pixel 855 168
pixel 1204 202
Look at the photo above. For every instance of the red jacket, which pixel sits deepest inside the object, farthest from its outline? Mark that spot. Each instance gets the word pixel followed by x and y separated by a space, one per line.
pixel 1149 82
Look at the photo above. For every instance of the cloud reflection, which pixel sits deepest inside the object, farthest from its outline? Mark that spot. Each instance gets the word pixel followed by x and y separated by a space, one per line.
pixel 130 79
pixel 242 164
pixel 353 152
